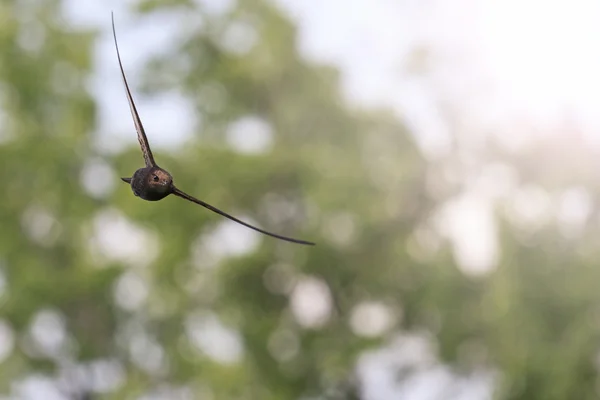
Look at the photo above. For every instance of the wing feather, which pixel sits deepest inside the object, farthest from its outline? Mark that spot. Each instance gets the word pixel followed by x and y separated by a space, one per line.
pixel 186 196
pixel 141 134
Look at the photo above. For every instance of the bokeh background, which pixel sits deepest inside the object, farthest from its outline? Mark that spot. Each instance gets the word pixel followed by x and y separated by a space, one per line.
pixel 444 155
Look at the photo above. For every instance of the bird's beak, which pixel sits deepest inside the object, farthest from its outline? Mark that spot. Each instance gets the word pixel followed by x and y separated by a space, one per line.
pixel 126 180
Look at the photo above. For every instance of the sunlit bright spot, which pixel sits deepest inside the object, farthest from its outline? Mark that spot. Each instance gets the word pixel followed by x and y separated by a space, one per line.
pixel 171 117
pixel 7 340
pixel 371 319
pixel 530 208
pixel 106 375
pixel 203 257
pixel 340 229
pixel 110 144
pixel 169 392
pixel 574 208
pixel 115 238
pixel 147 354
pixel 280 278
pixel 97 376
pixel 90 15
pixel 216 8
pixel 250 135
pixel 32 36
pixel 385 370
pixel 311 302
pixel 73 379
pixel 469 223
pixel 131 291
pixel 408 368
pixel 219 342
pixel 41 226
pixel 239 38
pixel 49 332
pixel 228 239
pixel 38 387
pixel 97 178
pixel 283 344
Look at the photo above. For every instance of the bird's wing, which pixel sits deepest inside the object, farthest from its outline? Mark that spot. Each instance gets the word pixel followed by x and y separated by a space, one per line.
pixel 141 134
pixel 186 196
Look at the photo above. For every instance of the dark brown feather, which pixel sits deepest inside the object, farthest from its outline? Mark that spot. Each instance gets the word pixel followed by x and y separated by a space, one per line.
pixel 186 196
pixel 141 134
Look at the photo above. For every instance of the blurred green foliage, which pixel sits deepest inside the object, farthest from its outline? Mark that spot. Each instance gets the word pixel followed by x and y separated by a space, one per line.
pixel 355 183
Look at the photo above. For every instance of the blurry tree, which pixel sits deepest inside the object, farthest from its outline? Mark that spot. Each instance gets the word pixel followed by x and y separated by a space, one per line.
pixel 103 293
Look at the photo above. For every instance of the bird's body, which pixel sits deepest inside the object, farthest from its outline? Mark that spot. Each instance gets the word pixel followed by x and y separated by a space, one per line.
pixel 153 183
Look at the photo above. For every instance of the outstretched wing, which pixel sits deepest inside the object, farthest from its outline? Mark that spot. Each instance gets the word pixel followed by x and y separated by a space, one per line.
pixel 141 134
pixel 186 196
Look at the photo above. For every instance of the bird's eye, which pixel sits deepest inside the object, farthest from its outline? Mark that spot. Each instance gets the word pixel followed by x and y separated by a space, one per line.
pixel 155 178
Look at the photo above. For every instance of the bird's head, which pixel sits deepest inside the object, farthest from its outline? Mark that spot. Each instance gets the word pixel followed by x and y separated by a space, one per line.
pixel 159 180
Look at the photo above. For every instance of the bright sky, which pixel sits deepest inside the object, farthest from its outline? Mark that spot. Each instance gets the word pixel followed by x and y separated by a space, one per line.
pixel 535 60
pixel 499 62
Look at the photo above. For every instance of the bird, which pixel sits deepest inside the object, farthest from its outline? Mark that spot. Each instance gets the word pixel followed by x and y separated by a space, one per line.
pixel 153 183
